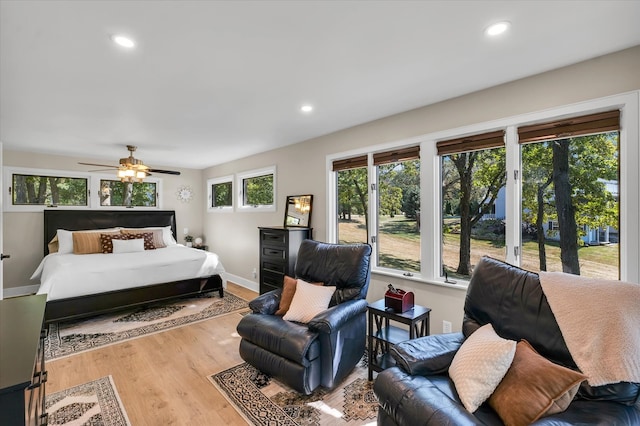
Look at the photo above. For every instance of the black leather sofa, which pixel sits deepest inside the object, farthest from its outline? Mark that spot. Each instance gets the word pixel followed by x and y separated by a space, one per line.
pixel 325 350
pixel 418 391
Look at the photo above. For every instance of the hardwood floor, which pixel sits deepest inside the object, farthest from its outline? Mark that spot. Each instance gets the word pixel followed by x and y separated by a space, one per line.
pixel 162 378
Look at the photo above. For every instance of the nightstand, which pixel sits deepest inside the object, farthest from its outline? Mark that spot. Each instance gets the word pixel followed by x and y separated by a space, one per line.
pixel 382 335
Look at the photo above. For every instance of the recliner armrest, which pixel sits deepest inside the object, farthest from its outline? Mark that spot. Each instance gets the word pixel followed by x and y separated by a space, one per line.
pixel 267 303
pixel 335 317
pixel 427 355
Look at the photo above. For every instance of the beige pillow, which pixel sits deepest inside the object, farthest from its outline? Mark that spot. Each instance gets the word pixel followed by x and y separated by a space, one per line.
pixel 479 365
pixel 89 242
pixel 308 301
pixel 533 387
pixel 53 245
pixel 158 238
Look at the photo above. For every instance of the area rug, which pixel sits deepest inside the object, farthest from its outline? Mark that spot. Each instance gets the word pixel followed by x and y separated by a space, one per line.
pixel 262 400
pixel 94 403
pixel 72 337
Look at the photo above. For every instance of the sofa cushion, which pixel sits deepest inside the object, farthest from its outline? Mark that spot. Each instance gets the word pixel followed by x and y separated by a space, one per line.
pixel 427 355
pixel 533 387
pixel 479 365
pixel 288 290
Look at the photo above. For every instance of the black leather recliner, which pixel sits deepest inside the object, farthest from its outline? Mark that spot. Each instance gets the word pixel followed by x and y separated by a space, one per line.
pixel 324 351
pixel 418 389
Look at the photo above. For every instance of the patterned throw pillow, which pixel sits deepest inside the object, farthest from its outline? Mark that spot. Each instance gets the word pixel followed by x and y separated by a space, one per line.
pixel 146 236
pixel 107 240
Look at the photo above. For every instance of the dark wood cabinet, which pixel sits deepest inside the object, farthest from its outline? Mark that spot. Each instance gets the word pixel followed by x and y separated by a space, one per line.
pixel 278 254
pixel 22 369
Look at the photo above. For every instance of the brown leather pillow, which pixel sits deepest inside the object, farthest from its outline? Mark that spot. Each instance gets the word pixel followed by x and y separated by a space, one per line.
pixel 288 290
pixel 533 387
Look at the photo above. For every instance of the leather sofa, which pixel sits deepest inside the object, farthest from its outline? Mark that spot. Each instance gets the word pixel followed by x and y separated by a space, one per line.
pixel 419 391
pixel 325 350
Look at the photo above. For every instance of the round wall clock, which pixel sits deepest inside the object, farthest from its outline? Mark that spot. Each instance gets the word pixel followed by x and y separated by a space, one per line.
pixel 185 194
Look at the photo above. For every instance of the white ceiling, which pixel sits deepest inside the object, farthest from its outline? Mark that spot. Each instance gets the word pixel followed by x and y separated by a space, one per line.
pixel 210 82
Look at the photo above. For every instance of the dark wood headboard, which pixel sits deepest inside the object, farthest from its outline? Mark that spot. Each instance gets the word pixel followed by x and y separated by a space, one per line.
pixel 78 220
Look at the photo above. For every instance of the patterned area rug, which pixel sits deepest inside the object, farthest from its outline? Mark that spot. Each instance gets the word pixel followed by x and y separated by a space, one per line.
pixel 262 400
pixel 72 337
pixel 94 403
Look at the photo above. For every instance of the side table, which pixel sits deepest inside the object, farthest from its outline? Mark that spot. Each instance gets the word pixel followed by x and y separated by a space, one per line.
pixel 382 335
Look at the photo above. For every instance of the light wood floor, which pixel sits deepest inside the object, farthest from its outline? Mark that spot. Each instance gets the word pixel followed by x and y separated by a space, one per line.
pixel 162 378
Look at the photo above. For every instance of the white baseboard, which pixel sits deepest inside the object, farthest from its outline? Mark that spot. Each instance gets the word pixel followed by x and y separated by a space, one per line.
pixel 243 282
pixel 20 291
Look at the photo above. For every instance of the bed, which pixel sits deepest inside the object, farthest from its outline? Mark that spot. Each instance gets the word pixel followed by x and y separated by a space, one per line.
pixel 83 285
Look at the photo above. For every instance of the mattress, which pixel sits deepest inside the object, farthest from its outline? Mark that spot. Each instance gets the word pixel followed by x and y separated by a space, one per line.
pixel 63 276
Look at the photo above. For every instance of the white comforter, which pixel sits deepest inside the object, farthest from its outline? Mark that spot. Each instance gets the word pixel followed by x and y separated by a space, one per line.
pixel 69 275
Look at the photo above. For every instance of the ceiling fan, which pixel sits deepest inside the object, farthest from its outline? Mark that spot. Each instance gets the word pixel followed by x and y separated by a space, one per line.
pixel 131 169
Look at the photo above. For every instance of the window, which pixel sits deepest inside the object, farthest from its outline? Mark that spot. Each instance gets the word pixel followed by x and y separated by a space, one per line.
pixel 498 192
pixel 473 173
pixel 136 194
pixel 257 190
pixel 398 207
pixel 570 184
pixel 46 188
pixel 220 194
pixel 353 200
pixel 33 190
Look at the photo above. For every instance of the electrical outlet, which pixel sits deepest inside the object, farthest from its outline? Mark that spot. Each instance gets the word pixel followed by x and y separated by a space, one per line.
pixel 255 273
pixel 446 326
pixel 186 231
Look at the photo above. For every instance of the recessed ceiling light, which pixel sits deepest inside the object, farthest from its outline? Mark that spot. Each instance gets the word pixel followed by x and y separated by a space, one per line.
pixel 123 41
pixel 306 108
pixel 497 28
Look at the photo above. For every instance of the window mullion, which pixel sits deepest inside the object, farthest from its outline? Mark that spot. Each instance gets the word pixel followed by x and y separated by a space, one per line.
pixel 513 231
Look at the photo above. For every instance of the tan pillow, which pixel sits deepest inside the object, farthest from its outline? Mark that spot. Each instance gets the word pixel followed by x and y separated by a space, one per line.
pixel 479 365
pixel 308 301
pixel 533 387
pixel 88 242
pixel 288 290
pixel 158 239
pixel 53 245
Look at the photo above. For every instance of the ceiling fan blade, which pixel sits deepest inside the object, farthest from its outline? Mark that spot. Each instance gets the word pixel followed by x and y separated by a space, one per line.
pixel 166 172
pixel 99 165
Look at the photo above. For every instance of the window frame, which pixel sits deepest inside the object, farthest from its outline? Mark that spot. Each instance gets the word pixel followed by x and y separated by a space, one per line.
pixel 430 183
pixel 240 178
pixel 93 188
pixel 216 181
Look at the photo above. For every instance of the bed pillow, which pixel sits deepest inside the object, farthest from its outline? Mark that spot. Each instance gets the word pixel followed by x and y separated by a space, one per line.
pixel 127 246
pixel 308 301
pixel 106 241
pixel 533 387
pixel 65 238
pixel 88 242
pixel 157 235
pixel 53 245
pixel 479 366
pixel 148 238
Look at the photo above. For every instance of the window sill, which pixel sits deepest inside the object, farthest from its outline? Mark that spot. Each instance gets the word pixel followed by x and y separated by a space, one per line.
pixel 460 285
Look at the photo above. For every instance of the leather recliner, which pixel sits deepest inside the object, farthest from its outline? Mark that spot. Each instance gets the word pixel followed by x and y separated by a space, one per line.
pixel 418 389
pixel 325 350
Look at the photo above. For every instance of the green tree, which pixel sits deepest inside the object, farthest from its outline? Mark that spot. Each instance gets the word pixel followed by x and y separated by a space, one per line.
pixel 258 190
pixel 577 167
pixel 478 177
pixel 222 194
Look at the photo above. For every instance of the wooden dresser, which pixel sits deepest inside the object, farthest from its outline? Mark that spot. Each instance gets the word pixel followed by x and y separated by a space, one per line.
pixel 278 254
pixel 22 369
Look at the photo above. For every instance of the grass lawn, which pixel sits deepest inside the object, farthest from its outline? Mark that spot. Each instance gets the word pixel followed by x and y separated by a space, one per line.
pixel 399 248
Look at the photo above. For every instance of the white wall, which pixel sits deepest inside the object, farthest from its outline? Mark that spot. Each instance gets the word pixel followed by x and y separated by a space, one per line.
pixel 23 232
pixel 301 168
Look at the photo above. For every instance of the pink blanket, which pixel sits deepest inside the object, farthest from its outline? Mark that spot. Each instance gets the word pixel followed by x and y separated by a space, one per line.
pixel 600 322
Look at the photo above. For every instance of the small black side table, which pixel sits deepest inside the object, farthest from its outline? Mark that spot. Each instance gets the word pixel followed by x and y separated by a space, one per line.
pixel 382 335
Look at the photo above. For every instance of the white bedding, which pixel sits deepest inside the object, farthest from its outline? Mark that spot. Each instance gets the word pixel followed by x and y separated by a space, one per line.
pixel 69 275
